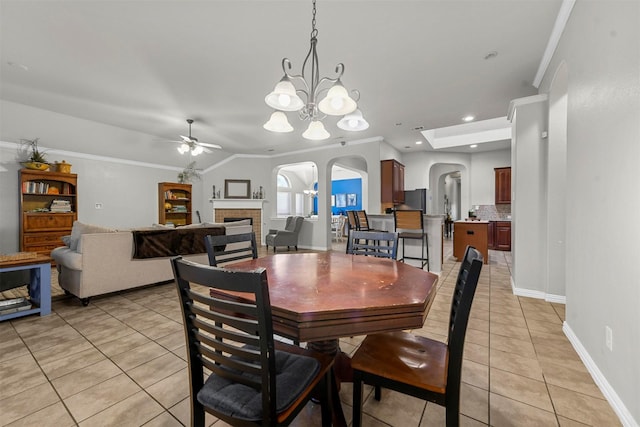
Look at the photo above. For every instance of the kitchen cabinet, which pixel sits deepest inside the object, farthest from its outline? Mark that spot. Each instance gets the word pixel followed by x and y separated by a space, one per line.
pixel 391 183
pixel 503 185
pixel 499 235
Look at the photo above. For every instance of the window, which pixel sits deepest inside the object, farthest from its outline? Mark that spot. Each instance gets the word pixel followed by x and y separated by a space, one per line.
pixel 299 204
pixel 283 199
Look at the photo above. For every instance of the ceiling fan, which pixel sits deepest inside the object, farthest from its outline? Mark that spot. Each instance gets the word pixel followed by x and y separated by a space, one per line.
pixel 192 145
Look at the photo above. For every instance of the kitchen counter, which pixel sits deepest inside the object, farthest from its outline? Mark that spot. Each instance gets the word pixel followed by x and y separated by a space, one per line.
pixel 474 233
pixel 433 227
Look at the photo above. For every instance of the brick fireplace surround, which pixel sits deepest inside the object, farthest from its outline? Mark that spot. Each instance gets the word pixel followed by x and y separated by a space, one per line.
pixel 240 208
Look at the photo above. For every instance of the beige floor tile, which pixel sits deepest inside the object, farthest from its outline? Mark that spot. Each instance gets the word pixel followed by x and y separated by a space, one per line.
pixel 505 412
pixel 82 379
pixel 12 348
pixel 582 408
pixel 182 411
pixel 122 344
pixel 173 340
pixel 132 411
pixel 157 369
pixel 27 402
pixel 165 419
pixel 72 363
pixel 171 389
pixel 474 403
pixel 101 336
pixel 477 337
pixel 162 329
pixel 477 353
pixel 47 339
pixel 139 355
pixel 19 374
pixel 55 415
pixel 516 364
pixel 62 350
pixel 522 389
pixel 395 408
pixel 572 379
pixel 566 422
pixel 100 397
pixel 475 374
pixel 512 345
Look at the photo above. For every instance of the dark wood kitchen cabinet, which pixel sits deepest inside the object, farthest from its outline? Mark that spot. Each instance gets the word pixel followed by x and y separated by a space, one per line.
pixel 391 183
pixel 503 185
pixel 499 235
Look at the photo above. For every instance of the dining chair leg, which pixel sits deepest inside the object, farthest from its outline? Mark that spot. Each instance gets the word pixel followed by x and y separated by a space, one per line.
pixel 377 392
pixel 326 406
pixel 357 400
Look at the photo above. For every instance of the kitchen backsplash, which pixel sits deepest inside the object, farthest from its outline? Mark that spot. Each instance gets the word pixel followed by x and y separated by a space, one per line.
pixel 494 212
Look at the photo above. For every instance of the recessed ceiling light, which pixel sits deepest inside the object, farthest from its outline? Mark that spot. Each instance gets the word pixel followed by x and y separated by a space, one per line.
pixel 418 142
pixel 473 146
pixel 468 118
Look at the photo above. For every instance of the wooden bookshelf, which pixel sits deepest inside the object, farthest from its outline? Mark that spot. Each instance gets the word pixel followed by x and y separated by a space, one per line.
pixel 42 224
pixel 174 203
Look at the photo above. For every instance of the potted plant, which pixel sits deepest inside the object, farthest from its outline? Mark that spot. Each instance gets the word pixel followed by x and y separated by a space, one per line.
pixel 189 173
pixel 30 156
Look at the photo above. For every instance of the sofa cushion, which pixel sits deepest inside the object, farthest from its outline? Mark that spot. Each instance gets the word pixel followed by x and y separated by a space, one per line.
pixel 68 258
pixel 79 229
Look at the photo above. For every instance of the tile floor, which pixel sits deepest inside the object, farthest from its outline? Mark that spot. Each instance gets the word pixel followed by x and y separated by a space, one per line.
pixel 121 362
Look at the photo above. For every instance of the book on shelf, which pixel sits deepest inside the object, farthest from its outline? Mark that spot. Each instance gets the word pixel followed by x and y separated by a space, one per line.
pixel 60 206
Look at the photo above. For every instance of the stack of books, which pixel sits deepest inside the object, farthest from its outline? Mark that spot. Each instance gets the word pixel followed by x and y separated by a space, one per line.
pixel 8 306
pixel 60 206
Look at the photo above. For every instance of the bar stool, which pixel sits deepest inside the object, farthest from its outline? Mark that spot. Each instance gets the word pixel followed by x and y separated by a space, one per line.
pixel 411 224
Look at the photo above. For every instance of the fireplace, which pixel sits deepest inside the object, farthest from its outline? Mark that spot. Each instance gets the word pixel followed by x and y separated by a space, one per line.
pixel 225 210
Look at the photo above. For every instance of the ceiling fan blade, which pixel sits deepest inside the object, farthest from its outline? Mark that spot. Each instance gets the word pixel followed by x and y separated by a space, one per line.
pixel 206 144
pixel 186 138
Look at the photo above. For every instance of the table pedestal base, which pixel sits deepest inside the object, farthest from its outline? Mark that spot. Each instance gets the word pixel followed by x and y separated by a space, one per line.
pixel 342 371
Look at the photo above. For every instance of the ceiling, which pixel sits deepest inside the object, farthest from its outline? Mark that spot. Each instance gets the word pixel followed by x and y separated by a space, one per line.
pixel 147 66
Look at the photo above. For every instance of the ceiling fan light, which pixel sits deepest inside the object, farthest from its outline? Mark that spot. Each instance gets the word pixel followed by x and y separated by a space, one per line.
pixel 316 131
pixel 337 102
pixel 353 122
pixel 197 150
pixel 284 97
pixel 278 123
pixel 183 148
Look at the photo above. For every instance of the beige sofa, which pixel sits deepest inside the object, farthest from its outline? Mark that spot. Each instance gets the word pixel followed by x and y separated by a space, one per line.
pixel 101 262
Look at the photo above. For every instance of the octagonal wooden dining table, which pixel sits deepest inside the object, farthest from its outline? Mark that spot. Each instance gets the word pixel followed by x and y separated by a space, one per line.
pixel 321 297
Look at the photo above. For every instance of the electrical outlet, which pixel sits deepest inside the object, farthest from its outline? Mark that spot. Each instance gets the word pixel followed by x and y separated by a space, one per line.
pixel 609 338
pixel 98 205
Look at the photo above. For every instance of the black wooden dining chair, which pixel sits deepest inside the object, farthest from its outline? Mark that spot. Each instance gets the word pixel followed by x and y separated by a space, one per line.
pixel 380 244
pixel 419 366
pixel 227 248
pixel 253 379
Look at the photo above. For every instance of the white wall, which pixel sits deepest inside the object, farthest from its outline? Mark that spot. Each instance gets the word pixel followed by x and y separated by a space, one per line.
pixel 600 47
pixel 482 177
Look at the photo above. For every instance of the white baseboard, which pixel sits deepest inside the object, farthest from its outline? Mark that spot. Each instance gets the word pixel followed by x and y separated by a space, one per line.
pixel 609 393
pixel 560 299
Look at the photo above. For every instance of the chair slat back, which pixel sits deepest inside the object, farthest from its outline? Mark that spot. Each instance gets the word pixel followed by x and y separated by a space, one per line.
pixel 408 219
pixel 379 244
pixel 232 338
pixel 227 248
pixel 352 220
pixel 462 299
pixel 363 220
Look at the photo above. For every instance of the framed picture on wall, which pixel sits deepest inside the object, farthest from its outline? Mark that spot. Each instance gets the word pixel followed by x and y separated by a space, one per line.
pixel 351 200
pixel 341 200
pixel 333 200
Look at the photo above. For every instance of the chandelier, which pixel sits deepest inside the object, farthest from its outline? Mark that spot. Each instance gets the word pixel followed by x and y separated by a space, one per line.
pixel 337 101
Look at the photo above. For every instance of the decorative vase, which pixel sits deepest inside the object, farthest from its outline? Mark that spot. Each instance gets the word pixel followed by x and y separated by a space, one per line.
pixel 35 165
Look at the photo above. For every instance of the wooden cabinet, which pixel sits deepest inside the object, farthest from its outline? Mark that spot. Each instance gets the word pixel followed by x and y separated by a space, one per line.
pixel 48 206
pixel 503 185
pixel 174 203
pixel 502 237
pixel 391 183
pixel 499 237
pixel 474 233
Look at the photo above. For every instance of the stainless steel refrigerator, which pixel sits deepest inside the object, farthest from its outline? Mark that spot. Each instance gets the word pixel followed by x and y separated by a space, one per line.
pixel 415 199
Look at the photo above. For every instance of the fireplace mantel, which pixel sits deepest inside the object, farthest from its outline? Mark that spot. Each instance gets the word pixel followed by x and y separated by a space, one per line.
pixel 237 203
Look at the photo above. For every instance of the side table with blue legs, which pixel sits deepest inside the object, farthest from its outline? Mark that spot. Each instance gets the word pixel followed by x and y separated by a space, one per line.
pixel 39 285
